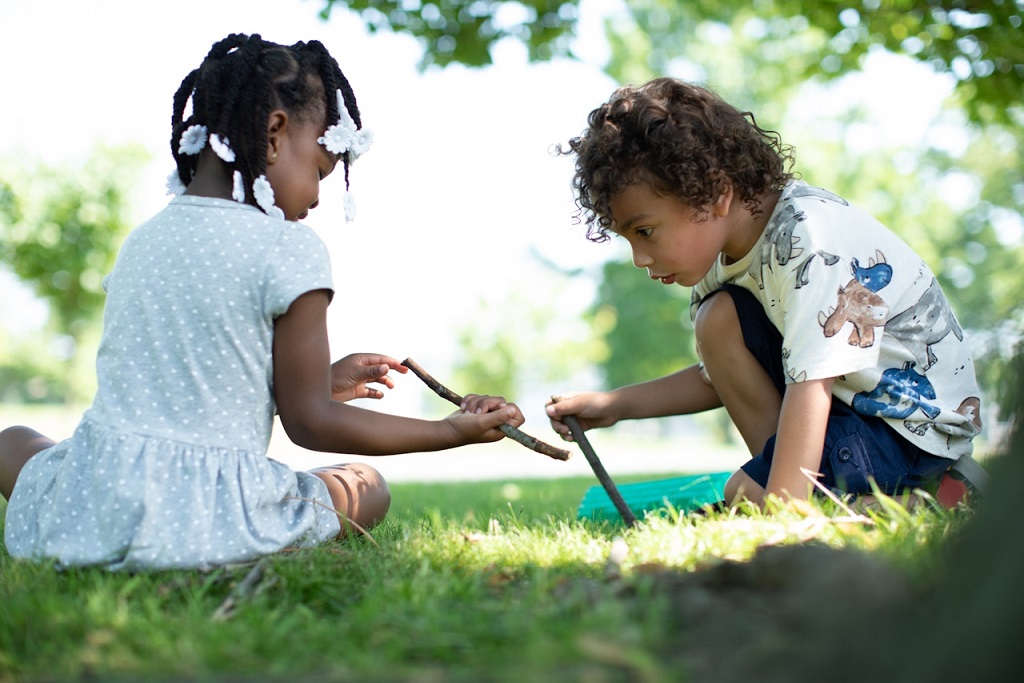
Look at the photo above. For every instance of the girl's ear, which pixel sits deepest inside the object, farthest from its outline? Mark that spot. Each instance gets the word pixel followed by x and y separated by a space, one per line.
pixel 277 127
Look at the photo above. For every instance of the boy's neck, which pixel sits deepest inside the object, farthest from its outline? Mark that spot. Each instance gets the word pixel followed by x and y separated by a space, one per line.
pixel 749 226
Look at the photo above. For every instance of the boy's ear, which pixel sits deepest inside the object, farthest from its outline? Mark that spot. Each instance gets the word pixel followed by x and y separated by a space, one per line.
pixel 720 207
pixel 277 125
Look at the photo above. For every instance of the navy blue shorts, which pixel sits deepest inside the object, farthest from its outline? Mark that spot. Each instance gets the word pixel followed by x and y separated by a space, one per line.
pixel 859 448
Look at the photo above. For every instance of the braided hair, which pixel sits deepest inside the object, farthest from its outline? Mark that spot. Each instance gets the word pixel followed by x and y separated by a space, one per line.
pixel 242 79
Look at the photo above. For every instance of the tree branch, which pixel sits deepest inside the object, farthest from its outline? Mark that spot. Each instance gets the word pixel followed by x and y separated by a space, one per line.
pixel 511 432
pixel 580 437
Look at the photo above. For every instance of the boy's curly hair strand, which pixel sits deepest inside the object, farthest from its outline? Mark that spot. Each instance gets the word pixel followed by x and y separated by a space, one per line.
pixel 682 140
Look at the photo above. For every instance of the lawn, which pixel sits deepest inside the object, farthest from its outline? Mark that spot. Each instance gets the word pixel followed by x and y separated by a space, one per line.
pixel 495 581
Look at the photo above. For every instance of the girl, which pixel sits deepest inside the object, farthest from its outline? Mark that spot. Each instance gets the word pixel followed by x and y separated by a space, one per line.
pixel 215 316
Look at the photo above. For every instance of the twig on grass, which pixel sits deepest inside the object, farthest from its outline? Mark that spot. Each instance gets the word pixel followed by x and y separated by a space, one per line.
pixel 511 432
pixel 343 519
pixel 580 437
pixel 247 588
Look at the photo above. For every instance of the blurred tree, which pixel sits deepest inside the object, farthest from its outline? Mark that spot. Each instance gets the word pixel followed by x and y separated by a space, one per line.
pixel 761 55
pixel 464 31
pixel 646 325
pixel 60 228
pixel 519 346
pixel 979 42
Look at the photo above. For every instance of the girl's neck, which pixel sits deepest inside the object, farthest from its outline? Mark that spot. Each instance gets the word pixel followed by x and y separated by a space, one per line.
pixel 211 179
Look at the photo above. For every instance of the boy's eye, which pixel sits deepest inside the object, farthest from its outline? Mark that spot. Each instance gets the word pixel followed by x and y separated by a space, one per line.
pixel 644 232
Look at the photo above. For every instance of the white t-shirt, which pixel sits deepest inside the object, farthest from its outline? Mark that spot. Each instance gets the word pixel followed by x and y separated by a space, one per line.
pixel 854 302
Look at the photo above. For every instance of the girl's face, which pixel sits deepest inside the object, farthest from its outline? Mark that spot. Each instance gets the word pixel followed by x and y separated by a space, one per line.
pixel 665 236
pixel 300 165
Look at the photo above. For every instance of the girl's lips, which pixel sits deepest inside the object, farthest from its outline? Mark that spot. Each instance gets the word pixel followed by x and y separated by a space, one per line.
pixel 665 279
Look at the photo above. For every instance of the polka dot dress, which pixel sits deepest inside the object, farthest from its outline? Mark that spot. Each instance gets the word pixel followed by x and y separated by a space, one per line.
pixel 168 468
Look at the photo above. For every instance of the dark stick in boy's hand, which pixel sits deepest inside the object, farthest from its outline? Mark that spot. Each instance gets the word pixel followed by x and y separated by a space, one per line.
pixel 580 437
pixel 509 431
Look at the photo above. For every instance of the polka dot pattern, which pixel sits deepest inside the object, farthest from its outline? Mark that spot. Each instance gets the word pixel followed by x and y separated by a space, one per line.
pixel 168 468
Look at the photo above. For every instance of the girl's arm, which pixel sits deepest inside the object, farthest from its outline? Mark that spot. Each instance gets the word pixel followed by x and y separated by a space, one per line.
pixel 801 437
pixel 313 420
pixel 681 393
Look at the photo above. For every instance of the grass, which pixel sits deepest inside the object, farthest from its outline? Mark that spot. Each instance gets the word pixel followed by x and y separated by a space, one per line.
pixel 483 581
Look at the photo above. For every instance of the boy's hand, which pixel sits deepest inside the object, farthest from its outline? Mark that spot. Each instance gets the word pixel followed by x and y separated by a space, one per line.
pixel 351 375
pixel 479 419
pixel 592 409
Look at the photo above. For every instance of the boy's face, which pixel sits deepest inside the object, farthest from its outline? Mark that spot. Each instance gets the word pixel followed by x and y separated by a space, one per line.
pixel 667 238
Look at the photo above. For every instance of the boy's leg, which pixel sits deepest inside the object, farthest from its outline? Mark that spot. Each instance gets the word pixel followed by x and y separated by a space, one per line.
pixel 17 445
pixel 358 492
pixel 751 395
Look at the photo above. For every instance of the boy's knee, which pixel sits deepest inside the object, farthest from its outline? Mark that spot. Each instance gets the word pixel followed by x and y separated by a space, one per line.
pixel 741 487
pixel 716 318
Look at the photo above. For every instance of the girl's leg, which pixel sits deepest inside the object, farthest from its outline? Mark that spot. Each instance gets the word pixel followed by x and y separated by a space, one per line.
pixel 17 445
pixel 359 493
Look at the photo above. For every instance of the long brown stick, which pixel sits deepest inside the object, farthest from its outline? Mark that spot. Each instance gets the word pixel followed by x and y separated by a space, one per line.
pixel 580 437
pixel 511 432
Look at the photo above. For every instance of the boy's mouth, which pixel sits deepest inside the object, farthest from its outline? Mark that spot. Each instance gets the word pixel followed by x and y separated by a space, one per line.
pixel 665 279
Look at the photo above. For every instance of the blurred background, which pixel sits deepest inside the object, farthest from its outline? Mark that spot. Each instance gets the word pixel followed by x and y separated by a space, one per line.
pixel 465 254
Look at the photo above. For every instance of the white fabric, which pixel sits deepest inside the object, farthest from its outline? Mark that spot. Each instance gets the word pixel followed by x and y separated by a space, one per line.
pixel 854 302
pixel 168 467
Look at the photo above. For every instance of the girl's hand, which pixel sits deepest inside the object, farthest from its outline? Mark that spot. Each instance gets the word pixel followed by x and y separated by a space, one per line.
pixel 352 375
pixel 592 409
pixel 479 419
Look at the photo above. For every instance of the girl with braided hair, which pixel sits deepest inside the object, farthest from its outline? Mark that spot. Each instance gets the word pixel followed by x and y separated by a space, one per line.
pixel 215 318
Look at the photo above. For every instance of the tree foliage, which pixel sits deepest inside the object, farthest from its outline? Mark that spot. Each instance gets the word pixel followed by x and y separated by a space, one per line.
pixel 462 31
pixel 60 228
pixel 978 41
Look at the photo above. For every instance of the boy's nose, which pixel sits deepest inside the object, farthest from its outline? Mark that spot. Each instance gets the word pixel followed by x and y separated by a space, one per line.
pixel 641 260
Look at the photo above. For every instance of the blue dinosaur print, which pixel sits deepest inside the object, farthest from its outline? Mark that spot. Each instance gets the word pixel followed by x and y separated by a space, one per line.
pixel 898 394
pixel 876 275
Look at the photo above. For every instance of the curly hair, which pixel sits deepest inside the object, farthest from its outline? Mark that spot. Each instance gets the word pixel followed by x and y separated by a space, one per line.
pixel 241 80
pixel 681 140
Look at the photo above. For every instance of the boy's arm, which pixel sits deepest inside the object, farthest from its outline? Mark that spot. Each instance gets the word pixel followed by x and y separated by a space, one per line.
pixel 680 393
pixel 801 437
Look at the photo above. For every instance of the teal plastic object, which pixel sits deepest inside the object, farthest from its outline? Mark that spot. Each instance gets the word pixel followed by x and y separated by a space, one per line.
pixel 683 494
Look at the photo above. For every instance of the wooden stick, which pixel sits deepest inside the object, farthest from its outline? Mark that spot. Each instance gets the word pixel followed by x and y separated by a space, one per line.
pixel 580 437
pixel 509 431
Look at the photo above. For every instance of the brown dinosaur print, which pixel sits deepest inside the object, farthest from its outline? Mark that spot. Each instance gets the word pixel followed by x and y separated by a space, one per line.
pixel 859 306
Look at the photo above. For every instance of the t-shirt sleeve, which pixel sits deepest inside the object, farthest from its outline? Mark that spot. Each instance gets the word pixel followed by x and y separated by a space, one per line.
pixel 299 263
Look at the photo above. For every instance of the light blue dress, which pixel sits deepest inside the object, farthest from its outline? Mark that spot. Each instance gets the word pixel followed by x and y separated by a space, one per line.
pixel 168 468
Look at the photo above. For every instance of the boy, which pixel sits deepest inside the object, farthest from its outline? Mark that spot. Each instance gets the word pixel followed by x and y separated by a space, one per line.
pixel 826 338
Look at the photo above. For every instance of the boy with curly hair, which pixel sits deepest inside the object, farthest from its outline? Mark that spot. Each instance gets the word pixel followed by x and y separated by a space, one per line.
pixel 826 337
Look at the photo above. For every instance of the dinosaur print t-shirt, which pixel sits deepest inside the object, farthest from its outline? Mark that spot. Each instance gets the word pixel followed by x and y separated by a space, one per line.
pixel 855 303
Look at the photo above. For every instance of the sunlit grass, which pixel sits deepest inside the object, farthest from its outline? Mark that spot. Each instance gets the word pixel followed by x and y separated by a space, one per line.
pixel 468 581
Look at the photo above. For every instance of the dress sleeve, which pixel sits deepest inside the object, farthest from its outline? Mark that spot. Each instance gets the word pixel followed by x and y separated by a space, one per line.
pixel 299 263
